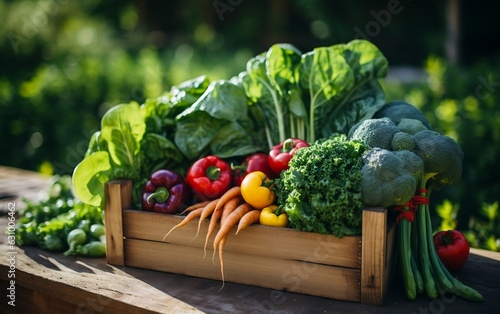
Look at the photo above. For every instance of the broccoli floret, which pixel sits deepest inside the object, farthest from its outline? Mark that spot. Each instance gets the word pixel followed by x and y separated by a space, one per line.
pixel 321 189
pixel 402 141
pixel 411 126
pixel 375 132
pixel 442 156
pixel 389 177
pixel 398 110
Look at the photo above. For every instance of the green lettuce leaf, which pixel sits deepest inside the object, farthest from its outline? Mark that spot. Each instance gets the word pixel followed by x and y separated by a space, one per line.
pixel 122 127
pixel 113 153
pixel 89 178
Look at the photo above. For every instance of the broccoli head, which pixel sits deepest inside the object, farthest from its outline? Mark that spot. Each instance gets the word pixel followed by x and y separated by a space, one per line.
pixel 442 156
pixel 398 110
pixel 411 126
pixel 402 141
pixel 375 132
pixel 389 177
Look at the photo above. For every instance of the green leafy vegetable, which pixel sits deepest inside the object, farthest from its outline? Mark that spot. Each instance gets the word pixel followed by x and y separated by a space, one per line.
pixel 219 114
pixel 316 94
pixel 267 80
pixel 281 94
pixel 47 222
pixel 122 129
pixel 321 190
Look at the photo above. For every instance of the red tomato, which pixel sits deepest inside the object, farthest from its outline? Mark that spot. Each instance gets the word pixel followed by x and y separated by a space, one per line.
pixel 452 248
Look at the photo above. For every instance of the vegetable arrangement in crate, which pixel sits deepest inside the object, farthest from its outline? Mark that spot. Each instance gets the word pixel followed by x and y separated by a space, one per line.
pixel 297 141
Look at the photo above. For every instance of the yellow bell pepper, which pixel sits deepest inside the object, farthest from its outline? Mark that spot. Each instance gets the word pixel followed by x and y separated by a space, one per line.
pixel 256 189
pixel 272 216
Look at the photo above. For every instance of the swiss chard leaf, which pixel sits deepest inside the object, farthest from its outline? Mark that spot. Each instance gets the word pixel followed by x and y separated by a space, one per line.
pixel 338 100
pixel 324 74
pixel 267 80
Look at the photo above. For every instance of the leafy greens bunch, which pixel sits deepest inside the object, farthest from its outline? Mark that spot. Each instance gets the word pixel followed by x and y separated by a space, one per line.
pixel 195 118
pixel 281 94
pixel 321 190
pixel 315 94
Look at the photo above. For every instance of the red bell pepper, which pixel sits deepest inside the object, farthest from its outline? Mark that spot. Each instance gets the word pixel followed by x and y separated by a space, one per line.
pixel 165 192
pixel 280 155
pixel 254 162
pixel 209 177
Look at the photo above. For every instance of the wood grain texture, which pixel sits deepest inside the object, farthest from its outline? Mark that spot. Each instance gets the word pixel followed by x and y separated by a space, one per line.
pixel 373 256
pixel 311 278
pixel 118 196
pixel 285 243
pixel 351 268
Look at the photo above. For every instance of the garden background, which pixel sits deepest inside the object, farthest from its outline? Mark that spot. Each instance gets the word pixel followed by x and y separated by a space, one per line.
pixel 64 63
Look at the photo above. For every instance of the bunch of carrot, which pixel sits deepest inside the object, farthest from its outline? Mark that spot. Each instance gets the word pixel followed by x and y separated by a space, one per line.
pixel 229 210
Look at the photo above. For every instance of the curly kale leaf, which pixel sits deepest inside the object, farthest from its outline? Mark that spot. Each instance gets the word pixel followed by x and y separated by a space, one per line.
pixel 321 190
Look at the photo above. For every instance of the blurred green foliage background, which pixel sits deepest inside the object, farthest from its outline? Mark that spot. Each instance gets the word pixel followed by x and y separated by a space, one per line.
pixel 64 63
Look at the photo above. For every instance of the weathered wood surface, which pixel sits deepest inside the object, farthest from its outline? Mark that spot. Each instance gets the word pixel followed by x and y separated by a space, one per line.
pixel 260 255
pixel 53 283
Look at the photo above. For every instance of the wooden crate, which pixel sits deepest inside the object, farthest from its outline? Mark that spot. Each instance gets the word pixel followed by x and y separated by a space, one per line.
pixel 354 268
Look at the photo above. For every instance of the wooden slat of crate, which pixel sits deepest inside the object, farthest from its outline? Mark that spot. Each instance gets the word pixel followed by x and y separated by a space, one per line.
pixel 264 271
pixel 285 243
pixel 372 271
pixel 375 257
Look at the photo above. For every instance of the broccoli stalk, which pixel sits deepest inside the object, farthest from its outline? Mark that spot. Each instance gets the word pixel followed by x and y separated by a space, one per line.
pixel 442 158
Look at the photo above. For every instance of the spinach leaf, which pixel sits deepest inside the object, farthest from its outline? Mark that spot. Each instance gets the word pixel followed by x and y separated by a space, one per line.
pixel 234 140
pixel 187 93
pixel 222 105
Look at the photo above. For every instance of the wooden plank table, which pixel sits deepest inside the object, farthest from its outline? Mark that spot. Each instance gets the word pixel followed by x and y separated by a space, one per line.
pixel 53 283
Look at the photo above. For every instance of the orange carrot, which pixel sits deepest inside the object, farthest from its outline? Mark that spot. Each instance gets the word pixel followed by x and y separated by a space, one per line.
pixel 207 211
pixel 192 215
pixel 252 217
pixel 229 206
pixel 229 194
pixel 221 257
pixel 194 206
pixel 231 221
